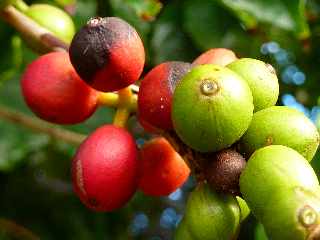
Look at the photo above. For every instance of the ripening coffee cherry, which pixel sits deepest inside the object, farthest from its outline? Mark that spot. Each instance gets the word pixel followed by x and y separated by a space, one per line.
pixel 210 216
pixel 156 90
pixel 107 53
pixel 54 19
pixel 212 108
pixel 54 91
pixel 218 56
pixel 262 80
pixel 223 171
pixel 280 125
pixel 282 191
pixel 105 169
pixel 162 169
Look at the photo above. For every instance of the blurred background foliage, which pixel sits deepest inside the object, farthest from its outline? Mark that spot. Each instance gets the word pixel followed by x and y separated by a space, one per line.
pixel 36 198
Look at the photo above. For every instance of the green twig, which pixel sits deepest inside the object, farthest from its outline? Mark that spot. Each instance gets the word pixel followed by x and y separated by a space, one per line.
pixel 41 126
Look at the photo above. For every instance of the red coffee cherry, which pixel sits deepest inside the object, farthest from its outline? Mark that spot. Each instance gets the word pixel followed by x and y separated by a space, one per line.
pixel 148 127
pixel 105 169
pixel 219 56
pixel 155 94
pixel 163 169
pixel 54 91
pixel 108 54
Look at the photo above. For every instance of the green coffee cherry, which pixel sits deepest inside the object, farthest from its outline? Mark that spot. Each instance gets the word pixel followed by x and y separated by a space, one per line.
pixel 282 191
pixel 182 232
pixel 280 125
pixel 244 209
pixel 209 216
pixel 262 79
pixel 212 108
pixel 53 19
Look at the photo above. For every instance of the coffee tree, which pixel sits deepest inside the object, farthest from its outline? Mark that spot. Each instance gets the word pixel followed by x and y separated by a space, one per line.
pixel 213 116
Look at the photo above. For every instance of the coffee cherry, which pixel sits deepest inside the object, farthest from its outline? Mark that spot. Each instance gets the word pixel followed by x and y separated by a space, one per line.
pixel 211 216
pixel 182 232
pixel 218 56
pixel 108 54
pixel 282 190
pixel 280 125
pixel 212 108
pixel 223 171
pixel 54 91
pixel 262 80
pixel 147 126
pixel 163 169
pixel 105 169
pixel 244 208
pixel 53 19
pixel 155 94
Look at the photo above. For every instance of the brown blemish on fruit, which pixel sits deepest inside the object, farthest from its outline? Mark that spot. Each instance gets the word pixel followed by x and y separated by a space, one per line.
pixel 93 202
pixel 270 68
pixel 209 87
pixel 314 233
pixel 79 177
pixel 269 140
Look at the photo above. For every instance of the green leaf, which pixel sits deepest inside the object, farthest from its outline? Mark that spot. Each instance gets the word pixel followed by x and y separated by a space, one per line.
pixel 211 26
pixel 121 9
pixel 145 9
pixel 169 42
pixel 16 143
pixel 286 14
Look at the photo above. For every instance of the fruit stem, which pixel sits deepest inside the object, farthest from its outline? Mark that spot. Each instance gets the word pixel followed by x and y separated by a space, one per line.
pixel 20 5
pixel 40 126
pixel 124 107
pixel 121 117
pixel 18 232
pixel 112 100
pixel 108 99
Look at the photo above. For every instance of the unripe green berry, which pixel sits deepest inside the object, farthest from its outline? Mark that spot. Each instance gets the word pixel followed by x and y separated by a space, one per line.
pixel 54 19
pixel 182 232
pixel 212 108
pixel 262 80
pixel 282 191
pixel 280 125
pixel 244 209
pixel 209 216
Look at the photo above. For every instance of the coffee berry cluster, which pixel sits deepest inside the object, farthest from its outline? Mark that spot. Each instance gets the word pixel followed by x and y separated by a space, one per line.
pixel 214 118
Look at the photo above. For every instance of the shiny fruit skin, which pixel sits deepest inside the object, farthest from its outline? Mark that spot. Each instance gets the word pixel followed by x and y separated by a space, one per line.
pixel 105 169
pixel 211 216
pixel 55 92
pixel 156 90
pixel 280 125
pixel 108 54
pixel 278 184
pixel 218 56
pixel 262 80
pixel 54 19
pixel 244 208
pixel 213 121
pixel 162 169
